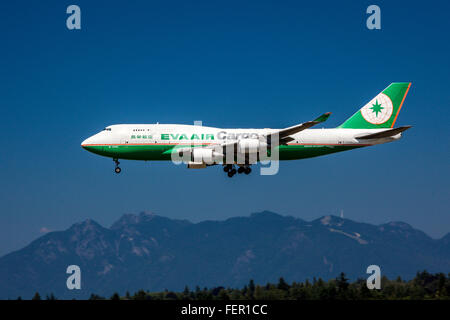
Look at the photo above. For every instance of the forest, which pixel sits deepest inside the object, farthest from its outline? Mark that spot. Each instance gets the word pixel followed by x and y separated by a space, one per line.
pixel 424 286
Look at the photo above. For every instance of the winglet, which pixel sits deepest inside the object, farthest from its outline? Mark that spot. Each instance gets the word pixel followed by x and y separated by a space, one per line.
pixel 322 118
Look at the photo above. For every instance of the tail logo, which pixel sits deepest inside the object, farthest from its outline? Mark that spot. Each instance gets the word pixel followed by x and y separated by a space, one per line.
pixel 378 110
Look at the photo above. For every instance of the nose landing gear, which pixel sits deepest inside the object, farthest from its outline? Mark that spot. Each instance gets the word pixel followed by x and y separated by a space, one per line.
pixel 117 168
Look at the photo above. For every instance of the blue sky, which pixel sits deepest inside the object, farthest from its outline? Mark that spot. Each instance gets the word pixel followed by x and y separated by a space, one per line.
pixel 229 64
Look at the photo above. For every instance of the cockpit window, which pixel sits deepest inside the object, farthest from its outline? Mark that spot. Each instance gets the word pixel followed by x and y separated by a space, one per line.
pixel 107 129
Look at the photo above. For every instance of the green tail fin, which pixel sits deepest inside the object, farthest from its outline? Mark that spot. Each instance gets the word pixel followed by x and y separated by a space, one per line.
pixel 382 111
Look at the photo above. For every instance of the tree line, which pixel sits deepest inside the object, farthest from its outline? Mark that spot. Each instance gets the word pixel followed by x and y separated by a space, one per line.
pixel 423 286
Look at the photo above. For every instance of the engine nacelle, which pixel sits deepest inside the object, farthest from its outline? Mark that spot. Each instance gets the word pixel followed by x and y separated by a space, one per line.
pixel 250 146
pixel 207 156
pixel 196 165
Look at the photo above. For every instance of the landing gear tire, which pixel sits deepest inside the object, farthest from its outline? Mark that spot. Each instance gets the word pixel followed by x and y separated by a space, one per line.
pixel 117 169
pixel 227 168
pixel 247 170
pixel 241 170
pixel 232 172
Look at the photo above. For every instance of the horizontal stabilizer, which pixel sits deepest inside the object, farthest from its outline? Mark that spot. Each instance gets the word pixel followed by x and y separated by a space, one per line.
pixel 385 134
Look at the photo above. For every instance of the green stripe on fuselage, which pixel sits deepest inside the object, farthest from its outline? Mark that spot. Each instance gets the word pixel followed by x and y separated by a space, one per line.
pixel 162 151
pixel 295 152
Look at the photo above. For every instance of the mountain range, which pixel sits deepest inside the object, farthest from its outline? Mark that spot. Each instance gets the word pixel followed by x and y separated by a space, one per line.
pixel 154 253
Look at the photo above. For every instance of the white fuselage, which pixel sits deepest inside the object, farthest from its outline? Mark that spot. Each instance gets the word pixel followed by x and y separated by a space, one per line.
pixel 184 134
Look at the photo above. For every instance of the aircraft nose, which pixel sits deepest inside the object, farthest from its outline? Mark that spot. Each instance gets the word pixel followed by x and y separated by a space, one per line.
pixel 86 143
pixel 93 144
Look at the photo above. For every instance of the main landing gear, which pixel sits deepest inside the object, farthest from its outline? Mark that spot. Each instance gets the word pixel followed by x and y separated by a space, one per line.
pixel 229 168
pixel 117 168
pixel 231 171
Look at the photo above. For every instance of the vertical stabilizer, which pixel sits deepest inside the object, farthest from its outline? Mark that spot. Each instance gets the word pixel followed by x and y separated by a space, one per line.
pixel 382 111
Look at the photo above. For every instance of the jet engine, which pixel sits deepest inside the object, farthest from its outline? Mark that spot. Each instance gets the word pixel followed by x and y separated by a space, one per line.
pixel 250 146
pixel 200 157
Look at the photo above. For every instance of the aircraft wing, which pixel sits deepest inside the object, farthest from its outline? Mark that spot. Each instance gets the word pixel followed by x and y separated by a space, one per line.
pixel 284 134
pixel 384 134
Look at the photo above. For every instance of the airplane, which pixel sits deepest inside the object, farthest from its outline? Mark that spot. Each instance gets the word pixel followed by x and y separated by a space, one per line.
pixel 237 149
